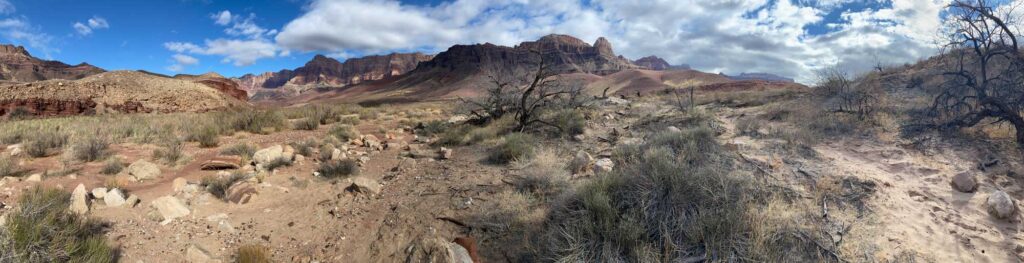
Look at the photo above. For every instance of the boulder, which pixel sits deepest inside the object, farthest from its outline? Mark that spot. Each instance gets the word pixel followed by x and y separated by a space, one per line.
pixel 603 165
pixel 1000 205
pixel 80 200
pixel 179 184
pixel 337 154
pixel 15 150
pixel 372 142
pixel 197 254
pixel 268 155
pixel 170 208
pixel 364 185
pixel 222 163
pixel 965 182
pixel 444 153
pixel 240 193
pixel 99 192
pixel 34 178
pixel 673 129
pixel 143 170
pixel 114 198
pixel 132 200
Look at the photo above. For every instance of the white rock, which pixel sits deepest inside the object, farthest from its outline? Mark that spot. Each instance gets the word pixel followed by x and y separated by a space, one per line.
pixel 603 165
pixel 34 178
pixel 197 254
pixel 170 207
pixel 179 184
pixel 445 153
pixel 114 198
pixel 132 200
pixel 15 150
pixel 80 200
pixel 1000 205
pixel 268 155
pixel 336 154
pixel 673 129
pixel 99 192
pixel 364 185
pixel 143 170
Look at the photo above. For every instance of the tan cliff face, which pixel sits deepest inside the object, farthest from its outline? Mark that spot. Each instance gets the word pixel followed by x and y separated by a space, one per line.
pixel 325 71
pixel 17 65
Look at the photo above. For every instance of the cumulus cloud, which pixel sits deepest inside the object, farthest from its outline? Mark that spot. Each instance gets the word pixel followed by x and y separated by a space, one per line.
pixel 6 7
pixel 249 44
pixel 181 61
pixel 20 31
pixel 90 25
pixel 728 36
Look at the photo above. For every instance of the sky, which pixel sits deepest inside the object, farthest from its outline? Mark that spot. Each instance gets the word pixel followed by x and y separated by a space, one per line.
pixel 792 38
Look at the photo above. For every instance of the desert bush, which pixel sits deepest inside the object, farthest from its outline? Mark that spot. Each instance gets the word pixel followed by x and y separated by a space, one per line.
pixel 240 149
pixel 307 124
pixel 208 136
pixel 544 176
pixel 570 122
pixel 515 146
pixel 252 254
pixel 671 199
pixel 90 148
pixel 748 126
pixel 305 148
pixel 277 163
pixel 252 121
pixel 433 127
pixel 218 185
pixel 344 132
pixel 9 167
pixel 338 168
pixel 350 119
pixel 326 150
pixel 18 113
pixel 112 166
pixel 44 143
pixel 170 150
pixel 454 136
pixel 42 229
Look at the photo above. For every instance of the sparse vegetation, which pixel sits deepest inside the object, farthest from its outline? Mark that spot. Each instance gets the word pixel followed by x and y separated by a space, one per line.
pixel 9 167
pixel 338 168
pixel 344 132
pixel 308 124
pixel 242 149
pixel 252 254
pixel 208 136
pixel 218 186
pixel 252 121
pixel 568 122
pixel 305 148
pixel 42 229
pixel 170 151
pixel 515 146
pixel 112 166
pixel 44 143
pixel 91 147
pixel 544 176
pixel 277 163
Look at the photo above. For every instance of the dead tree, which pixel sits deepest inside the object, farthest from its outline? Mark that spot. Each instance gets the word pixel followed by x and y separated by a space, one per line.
pixel 525 92
pixel 984 69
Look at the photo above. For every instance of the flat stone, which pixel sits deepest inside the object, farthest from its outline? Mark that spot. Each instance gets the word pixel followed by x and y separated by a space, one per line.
pixel 170 207
pixel 143 170
pixel 179 184
pixel 222 163
pixel 34 178
pixel 196 254
pixel 268 155
pixel 132 200
pixel 364 185
pixel 241 193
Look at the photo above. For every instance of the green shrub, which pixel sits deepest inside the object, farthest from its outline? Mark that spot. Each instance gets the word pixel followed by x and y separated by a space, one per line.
pixel 515 146
pixel 112 166
pixel 90 148
pixel 338 168
pixel 9 167
pixel 208 136
pixel 326 151
pixel 454 136
pixel 18 113
pixel 44 143
pixel 170 150
pixel 307 124
pixel 277 163
pixel 218 186
pixel 344 132
pixel 433 127
pixel 669 199
pixel 305 148
pixel 252 254
pixel 544 176
pixel 241 149
pixel 43 229
pixel 253 121
pixel 570 122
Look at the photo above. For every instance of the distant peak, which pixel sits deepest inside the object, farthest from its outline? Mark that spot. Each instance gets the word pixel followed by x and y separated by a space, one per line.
pixel 13 49
pixel 563 39
pixel 603 46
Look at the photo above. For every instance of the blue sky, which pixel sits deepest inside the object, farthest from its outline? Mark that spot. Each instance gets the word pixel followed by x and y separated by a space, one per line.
pixel 786 37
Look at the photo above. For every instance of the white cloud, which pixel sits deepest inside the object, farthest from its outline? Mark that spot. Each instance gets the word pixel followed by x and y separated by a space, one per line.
pixel 223 18
pixel 82 28
pixel 731 36
pixel 6 7
pixel 21 31
pixel 98 22
pixel 185 59
pixel 90 25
